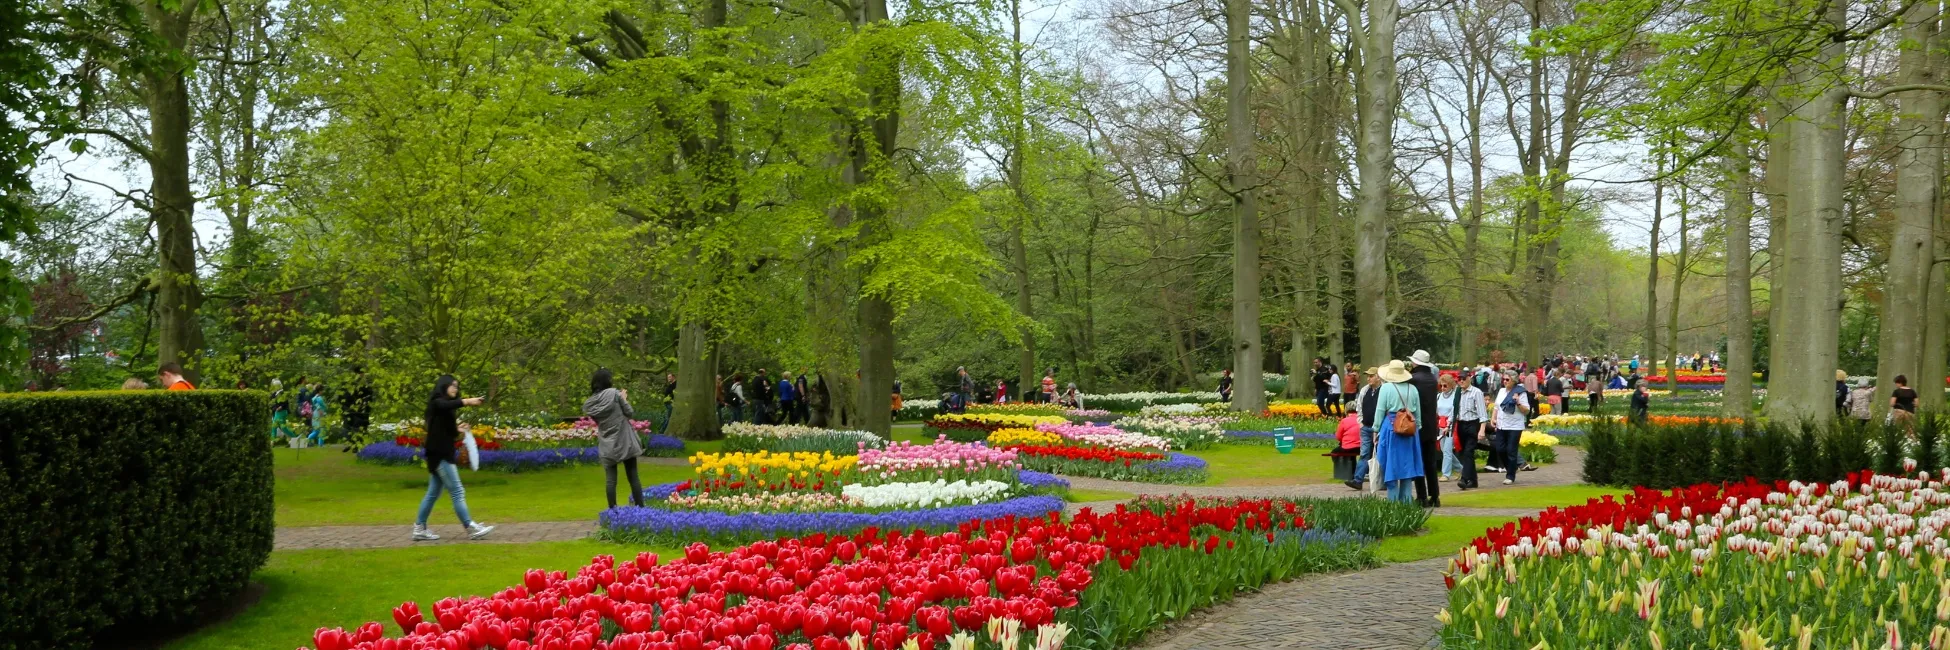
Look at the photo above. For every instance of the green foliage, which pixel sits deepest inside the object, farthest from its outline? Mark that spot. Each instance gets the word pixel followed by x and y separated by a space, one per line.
pixel 1167 583
pixel 128 508
pixel 1668 456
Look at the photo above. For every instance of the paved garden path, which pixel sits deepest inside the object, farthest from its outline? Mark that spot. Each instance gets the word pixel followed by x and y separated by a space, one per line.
pixel 1390 607
pixel 392 536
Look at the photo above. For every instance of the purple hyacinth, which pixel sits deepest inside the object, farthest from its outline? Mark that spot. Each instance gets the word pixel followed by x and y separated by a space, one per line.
pixel 1035 480
pixel 639 523
pixel 392 453
pixel 1176 463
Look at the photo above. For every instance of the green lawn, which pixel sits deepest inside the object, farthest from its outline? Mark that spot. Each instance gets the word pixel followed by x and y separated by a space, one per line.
pixel 1084 496
pixel 324 487
pixel 1248 465
pixel 345 588
pixel 1528 497
pixel 1444 536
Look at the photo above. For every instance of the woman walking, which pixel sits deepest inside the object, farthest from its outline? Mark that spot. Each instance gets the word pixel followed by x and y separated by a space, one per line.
pixel 443 431
pixel 1398 408
pixel 616 440
pixel 318 415
pixel 1512 416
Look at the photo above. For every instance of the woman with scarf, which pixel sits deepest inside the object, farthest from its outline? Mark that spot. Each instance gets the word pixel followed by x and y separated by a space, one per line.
pixel 443 431
pixel 1400 451
pixel 1512 416
pixel 616 440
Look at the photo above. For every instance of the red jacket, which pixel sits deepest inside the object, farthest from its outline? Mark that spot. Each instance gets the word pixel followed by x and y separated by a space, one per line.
pixel 1349 432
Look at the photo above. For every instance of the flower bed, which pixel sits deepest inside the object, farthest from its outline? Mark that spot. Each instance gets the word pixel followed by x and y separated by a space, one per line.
pixel 1107 577
pixel 1005 437
pixel 1190 408
pixel 1090 415
pixel 918 409
pixel 1852 563
pixel 742 436
pixel 960 431
pixel 1134 402
pixel 1106 436
pixel 389 452
pixel 943 459
pixel 1019 408
pixel 1116 464
pixel 1290 410
pixel 1183 434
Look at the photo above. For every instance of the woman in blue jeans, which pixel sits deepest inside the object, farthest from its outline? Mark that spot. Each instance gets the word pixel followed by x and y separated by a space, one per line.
pixel 443 430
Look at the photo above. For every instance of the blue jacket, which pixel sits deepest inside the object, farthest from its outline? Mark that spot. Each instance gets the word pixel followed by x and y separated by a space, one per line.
pixel 786 392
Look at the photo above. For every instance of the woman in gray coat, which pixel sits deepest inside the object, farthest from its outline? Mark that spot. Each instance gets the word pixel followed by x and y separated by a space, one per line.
pixel 616 440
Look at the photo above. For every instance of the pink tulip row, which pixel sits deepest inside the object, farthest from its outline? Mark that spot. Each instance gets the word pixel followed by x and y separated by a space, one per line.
pixel 944 454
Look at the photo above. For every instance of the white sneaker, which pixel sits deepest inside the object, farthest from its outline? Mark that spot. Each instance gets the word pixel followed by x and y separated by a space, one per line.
pixel 1508 481
pixel 423 534
pixel 479 530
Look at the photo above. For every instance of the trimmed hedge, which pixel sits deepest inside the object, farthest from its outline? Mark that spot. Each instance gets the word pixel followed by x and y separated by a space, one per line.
pixel 1665 457
pixel 128 509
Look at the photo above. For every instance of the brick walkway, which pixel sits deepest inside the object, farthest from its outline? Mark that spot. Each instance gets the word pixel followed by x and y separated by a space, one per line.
pixel 1391 607
pixel 315 537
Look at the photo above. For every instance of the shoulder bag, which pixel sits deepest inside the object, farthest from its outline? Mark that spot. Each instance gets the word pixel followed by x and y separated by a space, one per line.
pixel 1404 420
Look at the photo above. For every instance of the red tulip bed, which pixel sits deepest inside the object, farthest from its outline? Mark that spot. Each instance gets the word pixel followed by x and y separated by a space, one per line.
pixel 1858 563
pixel 1096 581
pixel 1115 464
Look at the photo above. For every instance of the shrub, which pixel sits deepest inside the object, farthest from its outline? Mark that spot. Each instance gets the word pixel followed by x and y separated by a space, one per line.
pixel 1667 456
pixel 128 508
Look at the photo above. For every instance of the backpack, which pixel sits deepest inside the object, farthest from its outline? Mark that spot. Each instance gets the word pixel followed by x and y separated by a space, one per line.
pixel 1404 420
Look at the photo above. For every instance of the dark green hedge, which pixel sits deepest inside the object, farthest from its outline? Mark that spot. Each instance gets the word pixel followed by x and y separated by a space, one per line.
pixel 128 508
pixel 1667 456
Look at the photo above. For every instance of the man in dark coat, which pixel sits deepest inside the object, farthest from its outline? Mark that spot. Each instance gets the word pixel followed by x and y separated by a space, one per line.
pixel 1422 376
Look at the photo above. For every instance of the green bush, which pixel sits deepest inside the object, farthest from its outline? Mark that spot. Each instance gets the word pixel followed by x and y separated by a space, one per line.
pixel 1668 456
pixel 128 509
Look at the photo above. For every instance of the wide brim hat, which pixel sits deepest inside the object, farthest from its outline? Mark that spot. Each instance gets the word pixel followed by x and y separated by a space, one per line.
pixel 1841 375
pixel 1420 357
pixel 1395 372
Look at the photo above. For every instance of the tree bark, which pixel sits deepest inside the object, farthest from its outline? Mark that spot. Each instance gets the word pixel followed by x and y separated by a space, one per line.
pixel 1650 355
pixel 1737 398
pixel 1019 250
pixel 1912 244
pixel 1374 159
pixel 1249 391
pixel 1678 287
pixel 876 322
pixel 166 93
pixel 1801 386
pixel 695 415
pixel 1536 288
pixel 1780 177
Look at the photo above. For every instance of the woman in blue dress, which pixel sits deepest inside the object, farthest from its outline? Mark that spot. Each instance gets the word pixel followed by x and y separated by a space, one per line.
pixel 1400 454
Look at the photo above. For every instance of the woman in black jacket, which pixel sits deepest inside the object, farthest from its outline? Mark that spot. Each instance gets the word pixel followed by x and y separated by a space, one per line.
pixel 443 430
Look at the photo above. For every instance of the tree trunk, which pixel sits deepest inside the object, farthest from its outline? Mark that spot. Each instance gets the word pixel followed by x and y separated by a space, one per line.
pixel 1019 250
pixel 1536 288
pixel 1249 385
pixel 1780 177
pixel 695 415
pixel 1304 183
pixel 1334 249
pixel 1678 287
pixel 1737 398
pixel 1650 355
pixel 166 94
pixel 1801 386
pixel 876 323
pixel 1912 244
pixel 1375 159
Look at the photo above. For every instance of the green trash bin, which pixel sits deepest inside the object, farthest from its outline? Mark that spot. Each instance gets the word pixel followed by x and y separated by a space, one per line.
pixel 1283 439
